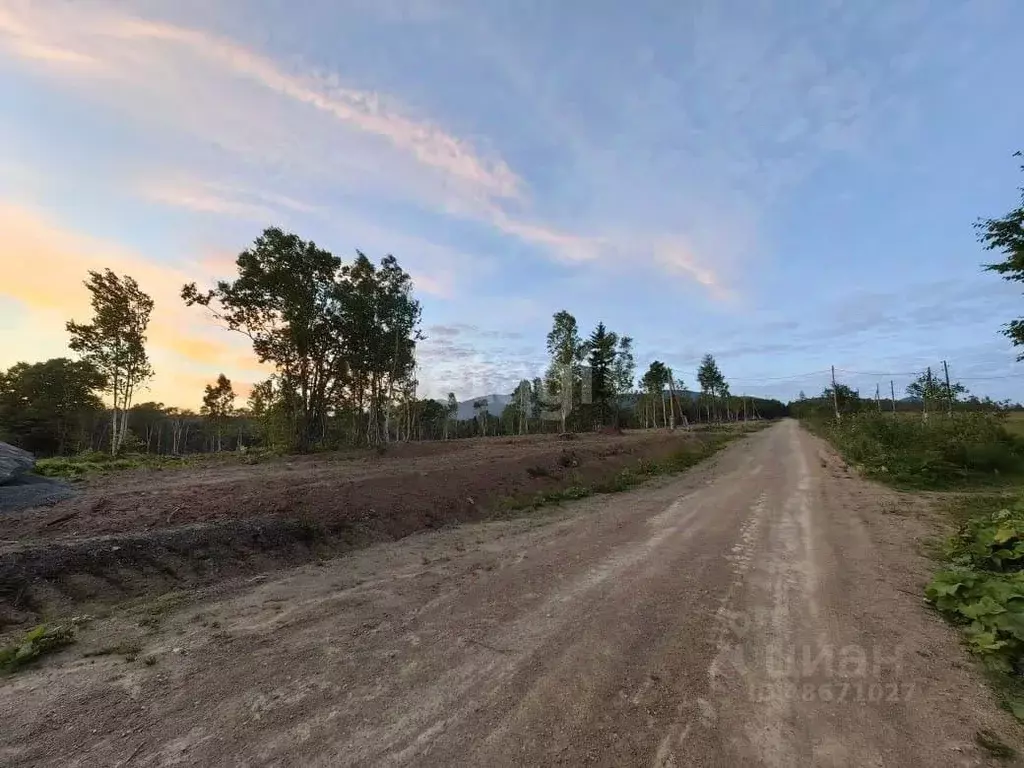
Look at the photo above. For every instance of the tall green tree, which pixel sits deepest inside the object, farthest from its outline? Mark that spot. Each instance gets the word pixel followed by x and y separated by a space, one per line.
pixel 287 300
pixel 931 391
pixel 48 408
pixel 602 346
pixel 218 405
pixel 1006 236
pixel 653 383
pixel 380 325
pixel 624 367
pixel 519 408
pixel 566 350
pixel 847 399
pixel 337 334
pixel 114 343
pixel 711 381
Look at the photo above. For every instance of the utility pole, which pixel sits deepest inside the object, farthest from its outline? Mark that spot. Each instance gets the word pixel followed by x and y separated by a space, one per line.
pixel 671 400
pixel 927 391
pixel 878 402
pixel 949 391
pixel 892 389
pixel 835 399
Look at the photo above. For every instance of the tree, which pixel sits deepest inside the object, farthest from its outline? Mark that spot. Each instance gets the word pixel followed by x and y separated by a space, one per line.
pixel 624 367
pixel 147 420
pixel 287 300
pixel 602 346
pixel 218 405
pixel 1006 235
pixel 847 399
pixel 451 412
pixel 47 408
pixel 480 407
pixel 519 408
pixel 114 343
pixel 380 324
pixel 653 383
pixel 929 389
pixel 710 379
pixel 337 334
pixel 567 351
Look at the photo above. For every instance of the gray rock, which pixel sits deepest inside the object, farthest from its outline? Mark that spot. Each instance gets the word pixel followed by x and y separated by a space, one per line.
pixel 29 491
pixel 14 462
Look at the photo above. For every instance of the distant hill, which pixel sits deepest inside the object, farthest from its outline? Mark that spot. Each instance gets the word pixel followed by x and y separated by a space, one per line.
pixel 495 406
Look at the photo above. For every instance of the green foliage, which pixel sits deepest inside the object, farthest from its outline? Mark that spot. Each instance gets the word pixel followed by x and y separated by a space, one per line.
pixel 342 336
pixel 1006 236
pixel 983 587
pixel 92 463
pixel 114 343
pixel 938 452
pixel 603 346
pixel 929 389
pixel 47 408
pixel 567 351
pixel 218 405
pixel 35 644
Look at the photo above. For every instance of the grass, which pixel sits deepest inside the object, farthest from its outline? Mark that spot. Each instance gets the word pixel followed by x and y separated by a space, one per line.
pixel 94 463
pixel 959 451
pixel 1014 423
pixel 36 643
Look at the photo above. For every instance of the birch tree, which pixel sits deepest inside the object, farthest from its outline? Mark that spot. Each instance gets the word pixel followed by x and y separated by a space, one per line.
pixel 567 350
pixel 115 343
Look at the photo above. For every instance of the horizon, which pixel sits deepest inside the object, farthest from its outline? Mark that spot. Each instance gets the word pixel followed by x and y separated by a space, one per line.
pixel 787 191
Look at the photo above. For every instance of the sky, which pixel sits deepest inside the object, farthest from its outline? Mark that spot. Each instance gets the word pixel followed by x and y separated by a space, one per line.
pixel 787 185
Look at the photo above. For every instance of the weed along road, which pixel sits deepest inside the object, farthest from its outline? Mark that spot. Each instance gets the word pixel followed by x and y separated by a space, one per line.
pixel 761 609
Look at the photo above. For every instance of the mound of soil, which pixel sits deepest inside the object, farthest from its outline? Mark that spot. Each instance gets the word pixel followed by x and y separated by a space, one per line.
pixel 149 530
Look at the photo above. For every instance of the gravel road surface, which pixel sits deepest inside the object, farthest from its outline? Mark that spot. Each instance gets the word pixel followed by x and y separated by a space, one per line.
pixel 762 609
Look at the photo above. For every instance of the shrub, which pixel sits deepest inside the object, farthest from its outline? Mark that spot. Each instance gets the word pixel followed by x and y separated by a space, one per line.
pixel 983 589
pixel 35 644
pixel 942 451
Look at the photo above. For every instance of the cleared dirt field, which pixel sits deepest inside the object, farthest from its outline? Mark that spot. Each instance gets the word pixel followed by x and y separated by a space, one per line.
pixel 146 530
pixel 762 609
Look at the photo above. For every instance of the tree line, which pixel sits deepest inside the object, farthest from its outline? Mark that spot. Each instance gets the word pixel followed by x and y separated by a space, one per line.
pixel 341 338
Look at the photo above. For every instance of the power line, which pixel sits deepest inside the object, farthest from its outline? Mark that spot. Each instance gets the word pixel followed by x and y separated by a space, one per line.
pixel 778 378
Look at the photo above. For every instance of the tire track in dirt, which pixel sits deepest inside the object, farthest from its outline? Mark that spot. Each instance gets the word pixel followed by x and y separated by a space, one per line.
pixel 680 624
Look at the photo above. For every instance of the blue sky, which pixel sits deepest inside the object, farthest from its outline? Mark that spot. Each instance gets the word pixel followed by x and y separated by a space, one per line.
pixel 787 185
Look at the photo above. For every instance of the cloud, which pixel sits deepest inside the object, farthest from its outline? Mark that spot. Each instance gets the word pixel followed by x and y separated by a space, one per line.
pixel 181 81
pixel 137 51
pixel 222 199
pixel 44 267
pixel 675 256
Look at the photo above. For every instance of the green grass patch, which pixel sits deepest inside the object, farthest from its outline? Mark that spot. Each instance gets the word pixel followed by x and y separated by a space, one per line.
pixel 94 463
pixel 34 645
pixel 961 450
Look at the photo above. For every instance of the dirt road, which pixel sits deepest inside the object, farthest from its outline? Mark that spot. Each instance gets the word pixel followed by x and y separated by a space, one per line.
pixel 760 610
